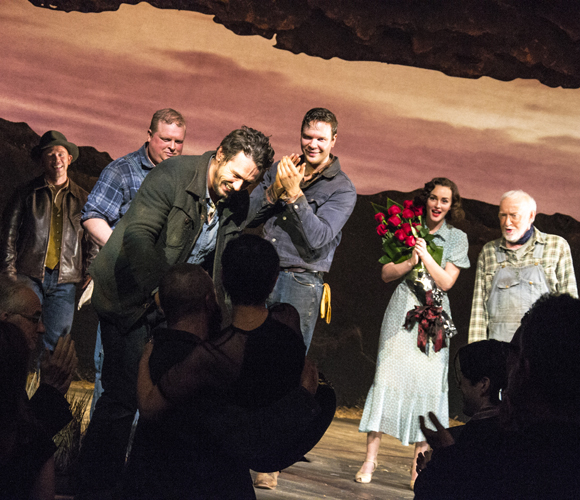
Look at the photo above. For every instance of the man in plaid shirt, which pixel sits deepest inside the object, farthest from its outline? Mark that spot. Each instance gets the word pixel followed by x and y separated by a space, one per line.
pixel 517 269
pixel 117 186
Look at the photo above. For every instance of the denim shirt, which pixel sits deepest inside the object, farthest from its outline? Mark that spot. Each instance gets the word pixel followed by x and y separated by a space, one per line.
pixel 205 244
pixel 117 186
pixel 306 232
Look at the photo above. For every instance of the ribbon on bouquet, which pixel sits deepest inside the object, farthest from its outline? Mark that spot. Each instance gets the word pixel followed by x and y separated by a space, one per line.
pixel 431 323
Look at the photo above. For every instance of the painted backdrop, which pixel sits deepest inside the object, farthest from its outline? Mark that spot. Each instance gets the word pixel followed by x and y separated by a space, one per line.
pixel 99 77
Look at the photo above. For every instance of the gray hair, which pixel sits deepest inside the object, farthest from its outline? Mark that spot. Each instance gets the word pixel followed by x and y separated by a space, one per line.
pixel 520 195
pixel 11 298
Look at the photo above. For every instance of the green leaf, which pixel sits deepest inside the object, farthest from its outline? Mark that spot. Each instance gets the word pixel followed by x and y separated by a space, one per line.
pixel 436 252
pixel 423 232
pixel 390 203
pixel 385 259
pixel 403 258
pixel 379 208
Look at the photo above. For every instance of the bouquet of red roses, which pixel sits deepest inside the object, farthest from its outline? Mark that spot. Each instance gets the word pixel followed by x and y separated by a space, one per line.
pixel 400 226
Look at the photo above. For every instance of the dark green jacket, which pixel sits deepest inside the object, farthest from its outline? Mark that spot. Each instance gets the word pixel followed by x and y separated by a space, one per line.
pixel 160 229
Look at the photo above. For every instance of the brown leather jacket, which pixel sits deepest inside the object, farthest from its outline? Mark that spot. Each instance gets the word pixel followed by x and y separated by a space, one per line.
pixel 26 224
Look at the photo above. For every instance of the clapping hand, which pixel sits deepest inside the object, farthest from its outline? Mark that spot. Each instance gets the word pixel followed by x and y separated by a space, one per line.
pixel 290 175
pixel 441 438
pixel 58 368
pixel 423 460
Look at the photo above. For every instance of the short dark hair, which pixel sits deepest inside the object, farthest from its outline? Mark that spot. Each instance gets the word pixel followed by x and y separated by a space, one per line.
pixel 183 290
pixel 456 212
pixel 486 358
pixel 166 115
pixel 549 338
pixel 320 115
pixel 253 143
pixel 14 356
pixel 250 266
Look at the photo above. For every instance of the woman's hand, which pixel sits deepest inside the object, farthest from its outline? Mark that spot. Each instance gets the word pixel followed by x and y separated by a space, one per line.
pixel 421 249
pixel 414 259
pixel 445 278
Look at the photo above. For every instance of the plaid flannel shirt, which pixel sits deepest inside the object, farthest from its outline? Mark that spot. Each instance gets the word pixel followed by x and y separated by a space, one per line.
pixel 556 261
pixel 117 186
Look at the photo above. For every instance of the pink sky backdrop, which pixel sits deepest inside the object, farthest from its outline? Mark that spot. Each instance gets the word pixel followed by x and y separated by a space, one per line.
pixel 98 78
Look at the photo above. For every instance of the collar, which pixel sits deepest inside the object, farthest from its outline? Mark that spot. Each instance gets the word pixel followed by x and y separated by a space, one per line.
pixel 65 186
pixel 146 162
pixel 488 412
pixel 443 231
pixel 329 170
pixel 198 185
pixel 73 187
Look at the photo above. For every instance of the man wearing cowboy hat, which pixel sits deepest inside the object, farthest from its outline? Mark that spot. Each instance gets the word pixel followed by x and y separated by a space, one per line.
pixel 44 243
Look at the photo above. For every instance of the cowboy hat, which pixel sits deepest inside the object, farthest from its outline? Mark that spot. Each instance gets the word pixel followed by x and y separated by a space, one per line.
pixel 54 138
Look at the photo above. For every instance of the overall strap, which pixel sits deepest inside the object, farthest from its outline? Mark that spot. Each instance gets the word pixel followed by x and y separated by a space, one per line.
pixel 538 250
pixel 499 255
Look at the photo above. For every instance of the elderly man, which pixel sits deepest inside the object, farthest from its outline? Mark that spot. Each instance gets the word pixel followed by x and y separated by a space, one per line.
pixel 517 269
pixel 187 209
pixel 305 202
pixel 117 186
pixel 20 306
pixel 44 243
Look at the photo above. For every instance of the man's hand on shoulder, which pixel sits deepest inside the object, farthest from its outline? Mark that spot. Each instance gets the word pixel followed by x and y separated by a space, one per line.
pixel 309 377
pixel 57 369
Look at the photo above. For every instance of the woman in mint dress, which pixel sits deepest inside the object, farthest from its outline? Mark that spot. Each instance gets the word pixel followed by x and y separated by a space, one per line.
pixel 409 383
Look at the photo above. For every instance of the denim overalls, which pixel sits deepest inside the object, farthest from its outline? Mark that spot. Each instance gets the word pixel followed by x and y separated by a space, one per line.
pixel 513 291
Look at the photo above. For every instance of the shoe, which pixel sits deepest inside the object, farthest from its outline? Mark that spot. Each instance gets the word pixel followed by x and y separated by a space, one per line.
pixel 365 477
pixel 266 480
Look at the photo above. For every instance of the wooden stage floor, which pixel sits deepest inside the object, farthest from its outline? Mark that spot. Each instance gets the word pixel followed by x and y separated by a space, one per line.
pixel 335 460
pixel 333 463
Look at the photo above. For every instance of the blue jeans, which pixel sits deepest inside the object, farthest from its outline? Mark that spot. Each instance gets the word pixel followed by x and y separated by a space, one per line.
pixel 58 305
pixel 304 292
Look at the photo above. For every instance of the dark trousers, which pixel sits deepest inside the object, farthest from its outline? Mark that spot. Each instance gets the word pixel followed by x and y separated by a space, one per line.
pixel 102 456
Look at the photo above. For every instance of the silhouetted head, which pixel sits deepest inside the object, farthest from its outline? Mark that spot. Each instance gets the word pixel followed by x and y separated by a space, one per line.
pixel 14 355
pixel 250 267
pixel 481 363
pixel 545 378
pixel 186 290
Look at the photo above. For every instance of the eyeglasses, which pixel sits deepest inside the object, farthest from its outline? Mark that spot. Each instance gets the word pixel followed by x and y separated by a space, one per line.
pixel 35 318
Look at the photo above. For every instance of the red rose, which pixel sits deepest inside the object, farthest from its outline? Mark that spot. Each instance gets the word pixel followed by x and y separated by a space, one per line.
pixel 408 213
pixel 400 235
pixel 406 227
pixel 416 224
pixel 382 230
pixel 394 210
pixel 418 211
pixel 407 204
pixel 380 217
pixel 394 220
pixel 410 241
